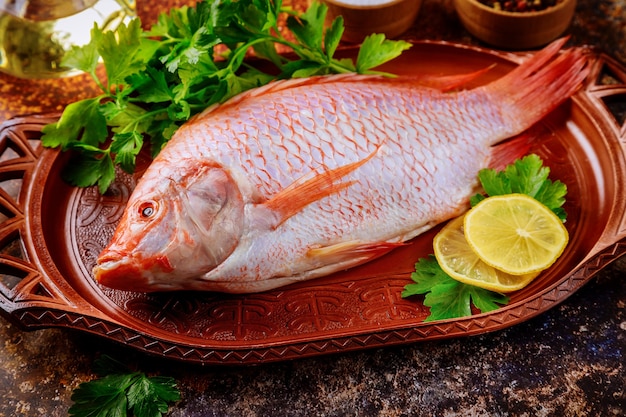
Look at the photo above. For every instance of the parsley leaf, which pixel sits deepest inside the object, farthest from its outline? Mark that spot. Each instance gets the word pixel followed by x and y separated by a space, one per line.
pixel 525 176
pixel 448 298
pixel 191 58
pixel 126 147
pixel 93 167
pixel 92 130
pixel 376 50
pixel 308 28
pixel 120 52
pixel 119 391
pixel 150 396
pixel 85 58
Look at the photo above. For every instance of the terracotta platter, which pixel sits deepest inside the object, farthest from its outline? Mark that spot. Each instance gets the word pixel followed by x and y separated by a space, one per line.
pixel 51 233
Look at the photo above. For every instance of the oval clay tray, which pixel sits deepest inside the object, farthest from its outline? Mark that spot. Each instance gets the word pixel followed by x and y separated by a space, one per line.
pixel 51 233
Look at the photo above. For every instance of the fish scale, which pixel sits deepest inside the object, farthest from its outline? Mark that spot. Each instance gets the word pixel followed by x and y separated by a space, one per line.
pixel 302 178
pixel 372 179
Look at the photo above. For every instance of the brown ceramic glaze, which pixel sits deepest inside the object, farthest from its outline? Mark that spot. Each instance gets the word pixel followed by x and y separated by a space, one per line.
pixel 51 234
pixel 515 30
pixel 390 17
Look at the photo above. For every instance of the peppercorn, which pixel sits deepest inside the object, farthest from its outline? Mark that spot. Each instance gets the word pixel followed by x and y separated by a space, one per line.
pixel 520 5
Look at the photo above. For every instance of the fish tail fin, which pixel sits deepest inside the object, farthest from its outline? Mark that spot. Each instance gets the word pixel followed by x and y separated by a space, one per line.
pixel 539 85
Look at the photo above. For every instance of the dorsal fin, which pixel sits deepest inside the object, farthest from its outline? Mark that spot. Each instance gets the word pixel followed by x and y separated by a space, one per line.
pixel 447 82
pixel 439 82
pixel 281 85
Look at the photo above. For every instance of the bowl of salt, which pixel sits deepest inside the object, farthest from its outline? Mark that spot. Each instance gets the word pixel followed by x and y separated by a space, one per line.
pixel 364 17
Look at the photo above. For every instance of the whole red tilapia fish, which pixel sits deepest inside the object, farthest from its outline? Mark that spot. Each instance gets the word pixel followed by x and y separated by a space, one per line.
pixel 301 178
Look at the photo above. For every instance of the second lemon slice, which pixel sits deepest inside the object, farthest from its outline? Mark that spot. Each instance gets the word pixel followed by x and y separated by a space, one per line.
pixel 515 233
pixel 457 259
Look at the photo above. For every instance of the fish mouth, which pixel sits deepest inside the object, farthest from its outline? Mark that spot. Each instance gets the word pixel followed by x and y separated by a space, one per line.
pixel 114 271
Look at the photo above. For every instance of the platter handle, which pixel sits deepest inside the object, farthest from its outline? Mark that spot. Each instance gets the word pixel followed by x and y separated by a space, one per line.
pixel 31 302
pixel 27 296
pixel 604 95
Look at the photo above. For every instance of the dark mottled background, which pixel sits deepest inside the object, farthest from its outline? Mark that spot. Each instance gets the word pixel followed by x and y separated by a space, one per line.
pixel 566 362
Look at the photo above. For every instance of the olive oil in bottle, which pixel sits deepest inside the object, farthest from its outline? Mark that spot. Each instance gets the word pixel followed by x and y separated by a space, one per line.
pixel 36 34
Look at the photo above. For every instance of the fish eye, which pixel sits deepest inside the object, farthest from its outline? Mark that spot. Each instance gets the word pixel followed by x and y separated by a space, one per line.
pixel 147 209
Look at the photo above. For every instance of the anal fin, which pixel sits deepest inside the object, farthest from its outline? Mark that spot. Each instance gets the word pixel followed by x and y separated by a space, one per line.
pixel 505 153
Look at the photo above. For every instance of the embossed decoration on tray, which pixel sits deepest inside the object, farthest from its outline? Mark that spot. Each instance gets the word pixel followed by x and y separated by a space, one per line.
pixel 50 234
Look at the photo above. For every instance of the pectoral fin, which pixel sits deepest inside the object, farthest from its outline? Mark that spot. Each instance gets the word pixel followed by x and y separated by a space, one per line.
pixel 303 192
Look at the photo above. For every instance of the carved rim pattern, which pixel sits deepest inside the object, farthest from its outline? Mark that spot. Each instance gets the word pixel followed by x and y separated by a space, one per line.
pixel 35 291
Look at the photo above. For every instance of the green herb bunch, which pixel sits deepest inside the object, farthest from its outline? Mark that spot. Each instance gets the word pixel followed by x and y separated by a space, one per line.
pixel 449 298
pixel 119 392
pixel 190 59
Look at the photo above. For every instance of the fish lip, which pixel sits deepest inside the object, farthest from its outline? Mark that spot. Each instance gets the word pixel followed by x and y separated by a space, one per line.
pixel 106 265
pixel 109 256
pixel 108 275
pixel 101 271
pixel 113 270
pixel 120 271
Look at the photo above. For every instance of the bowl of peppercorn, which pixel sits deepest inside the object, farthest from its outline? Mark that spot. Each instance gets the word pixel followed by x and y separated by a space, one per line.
pixel 516 24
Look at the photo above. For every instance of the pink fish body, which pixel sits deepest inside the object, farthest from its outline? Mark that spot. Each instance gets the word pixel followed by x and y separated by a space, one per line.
pixel 305 177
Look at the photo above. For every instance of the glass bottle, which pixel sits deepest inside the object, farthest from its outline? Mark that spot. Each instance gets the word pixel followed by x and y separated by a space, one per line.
pixel 35 34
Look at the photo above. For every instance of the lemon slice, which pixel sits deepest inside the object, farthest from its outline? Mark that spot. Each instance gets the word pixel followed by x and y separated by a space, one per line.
pixel 458 259
pixel 515 233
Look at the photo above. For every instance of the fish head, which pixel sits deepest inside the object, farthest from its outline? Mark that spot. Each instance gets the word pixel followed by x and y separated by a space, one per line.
pixel 176 226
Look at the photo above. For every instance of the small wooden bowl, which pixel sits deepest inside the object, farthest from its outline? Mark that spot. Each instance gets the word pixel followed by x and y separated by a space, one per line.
pixel 391 17
pixel 515 30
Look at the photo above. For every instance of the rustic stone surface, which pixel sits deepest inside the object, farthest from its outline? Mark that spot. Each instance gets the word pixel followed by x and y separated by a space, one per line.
pixel 565 362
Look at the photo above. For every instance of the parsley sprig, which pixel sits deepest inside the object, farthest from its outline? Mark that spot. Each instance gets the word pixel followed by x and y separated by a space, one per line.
pixel 524 176
pixel 449 298
pixel 119 391
pixel 191 58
